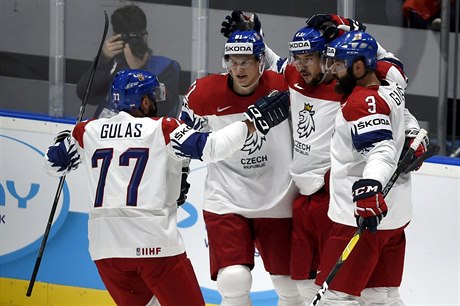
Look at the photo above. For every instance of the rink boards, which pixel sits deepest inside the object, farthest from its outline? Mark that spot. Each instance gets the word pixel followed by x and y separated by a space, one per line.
pixel 68 276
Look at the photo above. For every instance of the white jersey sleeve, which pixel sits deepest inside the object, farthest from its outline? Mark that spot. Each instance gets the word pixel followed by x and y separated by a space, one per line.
pixel 209 147
pixel 273 61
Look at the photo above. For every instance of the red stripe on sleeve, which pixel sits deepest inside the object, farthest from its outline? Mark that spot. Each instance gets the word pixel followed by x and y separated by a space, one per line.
pixel 79 130
pixel 168 125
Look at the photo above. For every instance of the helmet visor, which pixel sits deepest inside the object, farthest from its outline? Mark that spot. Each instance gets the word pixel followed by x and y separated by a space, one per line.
pixel 232 63
pixel 332 65
pixel 159 93
pixel 303 60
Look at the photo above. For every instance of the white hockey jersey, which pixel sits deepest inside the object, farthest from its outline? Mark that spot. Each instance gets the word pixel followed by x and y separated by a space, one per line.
pixel 135 176
pixel 254 181
pixel 313 111
pixel 367 142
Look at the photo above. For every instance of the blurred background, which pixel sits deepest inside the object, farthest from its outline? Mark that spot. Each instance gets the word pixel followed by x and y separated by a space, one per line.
pixel 46 45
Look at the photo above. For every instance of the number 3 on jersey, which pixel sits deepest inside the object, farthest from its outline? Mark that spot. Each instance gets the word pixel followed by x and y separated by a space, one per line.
pixel 370 100
pixel 141 155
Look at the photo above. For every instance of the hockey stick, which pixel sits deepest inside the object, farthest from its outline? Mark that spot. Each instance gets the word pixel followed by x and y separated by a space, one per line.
pixel 432 150
pixel 62 179
pixel 402 166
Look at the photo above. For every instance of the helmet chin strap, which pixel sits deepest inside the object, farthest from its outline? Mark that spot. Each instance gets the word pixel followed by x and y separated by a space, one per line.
pixel 322 78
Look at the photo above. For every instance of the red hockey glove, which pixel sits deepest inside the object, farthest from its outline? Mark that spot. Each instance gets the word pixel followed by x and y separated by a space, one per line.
pixel 410 136
pixel 370 205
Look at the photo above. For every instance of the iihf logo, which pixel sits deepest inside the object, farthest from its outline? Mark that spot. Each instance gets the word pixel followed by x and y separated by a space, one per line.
pixel 306 123
pixel 138 251
pixel 253 143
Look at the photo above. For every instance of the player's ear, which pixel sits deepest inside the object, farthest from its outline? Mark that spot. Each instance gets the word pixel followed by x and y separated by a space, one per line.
pixel 359 67
pixel 145 104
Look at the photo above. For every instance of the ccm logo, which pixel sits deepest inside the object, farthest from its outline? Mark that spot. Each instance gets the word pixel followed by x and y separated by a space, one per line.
pixel 365 189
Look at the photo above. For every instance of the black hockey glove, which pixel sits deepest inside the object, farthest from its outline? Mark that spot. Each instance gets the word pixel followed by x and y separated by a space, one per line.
pixel 184 186
pixel 269 111
pixel 238 21
pixel 333 26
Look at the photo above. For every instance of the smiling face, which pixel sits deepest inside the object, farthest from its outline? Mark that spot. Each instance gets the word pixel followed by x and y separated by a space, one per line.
pixel 245 72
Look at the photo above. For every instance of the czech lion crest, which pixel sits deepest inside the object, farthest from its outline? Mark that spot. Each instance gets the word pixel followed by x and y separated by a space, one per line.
pixel 306 123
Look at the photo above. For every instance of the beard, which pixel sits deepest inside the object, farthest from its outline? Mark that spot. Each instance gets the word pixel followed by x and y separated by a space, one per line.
pixel 345 84
pixel 315 80
pixel 153 110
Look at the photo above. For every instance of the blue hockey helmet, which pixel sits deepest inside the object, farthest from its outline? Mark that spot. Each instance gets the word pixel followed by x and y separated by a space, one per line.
pixel 245 42
pixel 352 45
pixel 130 86
pixel 307 40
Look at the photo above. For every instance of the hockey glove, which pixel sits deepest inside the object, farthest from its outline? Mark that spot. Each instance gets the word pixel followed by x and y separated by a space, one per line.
pixel 370 206
pixel 62 157
pixel 269 111
pixel 422 148
pixel 238 21
pixel 333 26
pixel 184 186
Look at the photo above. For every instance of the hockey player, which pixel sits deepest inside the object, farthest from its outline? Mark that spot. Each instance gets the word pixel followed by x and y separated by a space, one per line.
pixel 134 164
pixel 248 196
pixel 314 105
pixel 369 136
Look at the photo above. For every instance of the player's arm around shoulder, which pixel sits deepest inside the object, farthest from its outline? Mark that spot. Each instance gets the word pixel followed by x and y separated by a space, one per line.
pixel 267 112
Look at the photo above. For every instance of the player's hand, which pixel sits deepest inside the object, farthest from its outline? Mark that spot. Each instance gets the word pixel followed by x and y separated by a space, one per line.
pixel 113 46
pixel 269 111
pixel 333 26
pixel 370 206
pixel 239 21
pixel 62 157
pixel 184 186
pixel 422 148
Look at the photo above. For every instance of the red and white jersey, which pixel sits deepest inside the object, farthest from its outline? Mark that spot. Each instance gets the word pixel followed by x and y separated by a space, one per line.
pixel 254 181
pixel 367 142
pixel 313 111
pixel 135 177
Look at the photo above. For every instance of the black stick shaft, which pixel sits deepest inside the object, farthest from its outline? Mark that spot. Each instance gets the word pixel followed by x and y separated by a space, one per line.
pixel 62 179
